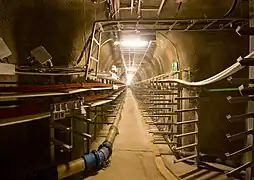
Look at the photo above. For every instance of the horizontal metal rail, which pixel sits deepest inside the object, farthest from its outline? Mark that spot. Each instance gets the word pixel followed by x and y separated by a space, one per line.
pixel 161 123
pixel 186 98
pixel 185 134
pixel 239 117
pixel 162 132
pixel 239 169
pixel 185 158
pixel 154 115
pixel 240 99
pixel 160 100
pixel 65 147
pixel 187 122
pixel 244 150
pixel 238 135
pixel 186 146
pixel 185 110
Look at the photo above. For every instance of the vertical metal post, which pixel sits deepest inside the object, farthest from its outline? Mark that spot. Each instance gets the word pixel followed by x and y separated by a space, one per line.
pixel 139 9
pixel 196 129
pixel 160 8
pixel 88 141
pixel 102 120
pixel 179 115
pixel 132 5
pixel 249 122
pixel 96 115
pixel 98 55
pixel 52 136
pixel 249 125
pixel 71 137
pixel 90 51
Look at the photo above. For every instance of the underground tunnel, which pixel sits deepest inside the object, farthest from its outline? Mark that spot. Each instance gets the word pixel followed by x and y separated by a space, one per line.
pixel 126 89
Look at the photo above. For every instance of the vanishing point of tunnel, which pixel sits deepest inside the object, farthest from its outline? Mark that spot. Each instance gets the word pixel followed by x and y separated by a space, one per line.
pixel 126 89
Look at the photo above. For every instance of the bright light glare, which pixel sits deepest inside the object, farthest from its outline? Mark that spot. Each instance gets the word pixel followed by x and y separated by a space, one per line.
pixel 132 43
pixel 131 69
pixel 129 79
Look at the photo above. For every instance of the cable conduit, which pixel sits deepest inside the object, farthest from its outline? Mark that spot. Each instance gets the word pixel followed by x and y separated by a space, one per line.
pixel 222 75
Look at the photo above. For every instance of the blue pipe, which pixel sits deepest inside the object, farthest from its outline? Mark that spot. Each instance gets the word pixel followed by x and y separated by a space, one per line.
pixel 92 161
pixel 97 159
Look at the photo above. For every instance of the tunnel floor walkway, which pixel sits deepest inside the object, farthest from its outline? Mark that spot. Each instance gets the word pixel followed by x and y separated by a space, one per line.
pixel 132 158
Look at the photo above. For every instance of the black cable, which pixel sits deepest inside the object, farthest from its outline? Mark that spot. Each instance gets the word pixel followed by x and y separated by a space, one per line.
pixel 232 8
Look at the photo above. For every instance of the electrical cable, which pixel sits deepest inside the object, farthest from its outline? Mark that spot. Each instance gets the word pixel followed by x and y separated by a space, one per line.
pixel 222 75
pixel 231 9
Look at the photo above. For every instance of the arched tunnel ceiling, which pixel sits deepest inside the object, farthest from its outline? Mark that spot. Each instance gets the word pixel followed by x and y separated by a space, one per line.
pixel 63 27
pixel 185 47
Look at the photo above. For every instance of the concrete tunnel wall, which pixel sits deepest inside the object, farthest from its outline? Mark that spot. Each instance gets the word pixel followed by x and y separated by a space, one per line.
pixel 63 27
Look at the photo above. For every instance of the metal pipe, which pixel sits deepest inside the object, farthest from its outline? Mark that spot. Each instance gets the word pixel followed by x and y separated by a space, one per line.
pixel 90 51
pixel 72 167
pixel 92 161
pixel 139 9
pixel 160 8
pixel 132 4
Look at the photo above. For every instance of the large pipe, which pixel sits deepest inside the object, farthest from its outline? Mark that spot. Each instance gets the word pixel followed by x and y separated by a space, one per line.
pixel 93 161
pixel 222 75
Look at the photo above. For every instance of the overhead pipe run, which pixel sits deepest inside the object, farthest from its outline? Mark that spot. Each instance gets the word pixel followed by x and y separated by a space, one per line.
pixel 93 161
pixel 222 75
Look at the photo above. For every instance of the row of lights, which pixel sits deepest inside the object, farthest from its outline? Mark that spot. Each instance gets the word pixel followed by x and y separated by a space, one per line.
pixel 131 43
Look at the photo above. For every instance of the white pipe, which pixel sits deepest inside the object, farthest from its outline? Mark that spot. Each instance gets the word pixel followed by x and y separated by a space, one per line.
pixel 222 75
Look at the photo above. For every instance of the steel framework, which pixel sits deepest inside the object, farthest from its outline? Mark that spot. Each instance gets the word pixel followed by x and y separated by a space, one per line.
pixel 151 25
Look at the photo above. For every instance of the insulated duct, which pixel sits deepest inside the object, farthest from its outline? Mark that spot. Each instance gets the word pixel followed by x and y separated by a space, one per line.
pixel 240 64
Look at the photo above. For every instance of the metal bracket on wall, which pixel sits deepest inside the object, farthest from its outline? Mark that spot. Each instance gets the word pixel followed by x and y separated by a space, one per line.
pixel 161 105
pixel 247 135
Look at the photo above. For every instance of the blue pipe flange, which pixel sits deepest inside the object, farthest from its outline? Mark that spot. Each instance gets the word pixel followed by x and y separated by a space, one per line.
pixel 90 161
pixel 102 157
pixel 105 151
pixel 108 145
pixel 97 158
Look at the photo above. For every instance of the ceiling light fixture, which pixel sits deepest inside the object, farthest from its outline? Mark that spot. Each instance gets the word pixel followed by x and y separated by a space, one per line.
pixel 132 43
pixel 129 78
pixel 131 69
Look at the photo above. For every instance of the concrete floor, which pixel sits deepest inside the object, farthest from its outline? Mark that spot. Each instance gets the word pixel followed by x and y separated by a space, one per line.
pixel 133 157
